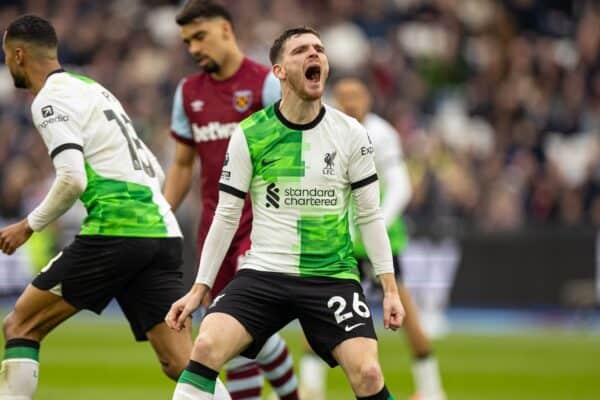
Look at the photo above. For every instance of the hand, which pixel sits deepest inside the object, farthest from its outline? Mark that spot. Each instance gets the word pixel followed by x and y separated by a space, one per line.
pixel 393 311
pixel 13 236
pixel 182 308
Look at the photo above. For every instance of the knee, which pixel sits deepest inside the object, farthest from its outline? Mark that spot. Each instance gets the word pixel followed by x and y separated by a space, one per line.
pixel 369 377
pixel 173 366
pixel 370 372
pixel 207 352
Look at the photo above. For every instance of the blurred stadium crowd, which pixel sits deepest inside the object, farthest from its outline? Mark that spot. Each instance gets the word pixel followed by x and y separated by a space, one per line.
pixel 497 102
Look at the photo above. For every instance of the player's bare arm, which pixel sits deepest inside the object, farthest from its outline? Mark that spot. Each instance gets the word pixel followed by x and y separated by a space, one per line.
pixel 13 236
pixel 179 177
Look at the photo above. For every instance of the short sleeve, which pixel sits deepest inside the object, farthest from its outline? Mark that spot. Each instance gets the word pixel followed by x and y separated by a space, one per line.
pixel 388 149
pixel 58 122
pixel 180 124
pixel 271 90
pixel 361 168
pixel 237 167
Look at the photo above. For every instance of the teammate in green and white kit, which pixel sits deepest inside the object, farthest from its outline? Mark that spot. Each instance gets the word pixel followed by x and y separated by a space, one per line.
pixel 129 247
pixel 301 162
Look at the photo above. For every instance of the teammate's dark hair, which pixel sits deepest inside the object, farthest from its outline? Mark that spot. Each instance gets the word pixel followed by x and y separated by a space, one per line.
pixel 32 29
pixel 193 9
pixel 275 51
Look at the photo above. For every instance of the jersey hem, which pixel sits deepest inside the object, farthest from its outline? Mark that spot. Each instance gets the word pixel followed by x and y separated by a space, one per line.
pixel 257 268
pixel 183 140
pixel 129 235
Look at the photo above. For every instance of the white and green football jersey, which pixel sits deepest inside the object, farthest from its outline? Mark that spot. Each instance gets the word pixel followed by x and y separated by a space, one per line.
pixel 300 179
pixel 123 195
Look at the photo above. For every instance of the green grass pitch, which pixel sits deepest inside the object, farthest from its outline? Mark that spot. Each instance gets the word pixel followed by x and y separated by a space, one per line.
pixel 97 359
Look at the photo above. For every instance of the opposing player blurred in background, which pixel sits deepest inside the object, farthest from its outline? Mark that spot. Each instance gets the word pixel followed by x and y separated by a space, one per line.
pixel 206 109
pixel 129 247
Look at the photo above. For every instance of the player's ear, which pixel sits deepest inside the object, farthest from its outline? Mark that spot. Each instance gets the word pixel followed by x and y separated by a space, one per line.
pixel 226 29
pixel 19 54
pixel 279 72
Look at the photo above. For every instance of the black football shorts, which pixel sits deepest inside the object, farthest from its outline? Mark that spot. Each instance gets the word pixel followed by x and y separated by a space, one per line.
pixel 330 310
pixel 144 274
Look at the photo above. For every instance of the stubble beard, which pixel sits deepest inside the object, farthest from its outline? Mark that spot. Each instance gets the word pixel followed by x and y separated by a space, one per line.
pixel 19 81
pixel 211 67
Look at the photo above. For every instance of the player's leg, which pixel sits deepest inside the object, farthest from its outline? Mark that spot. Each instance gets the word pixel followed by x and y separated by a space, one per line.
pixel 36 313
pixel 276 363
pixel 313 371
pixel 172 348
pixel 425 368
pixel 239 321
pixel 221 337
pixel 244 379
pixel 338 326
pixel 359 359
pixel 147 297
pixel 76 279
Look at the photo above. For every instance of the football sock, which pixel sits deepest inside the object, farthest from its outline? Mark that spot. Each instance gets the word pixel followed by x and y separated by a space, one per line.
pixel 276 363
pixel 221 392
pixel 313 374
pixel 384 394
pixel 196 382
pixel 20 367
pixel 426 374
pixel 244 380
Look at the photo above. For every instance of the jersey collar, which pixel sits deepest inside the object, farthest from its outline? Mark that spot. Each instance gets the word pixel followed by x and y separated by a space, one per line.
pixel 298 127
pixel 56 71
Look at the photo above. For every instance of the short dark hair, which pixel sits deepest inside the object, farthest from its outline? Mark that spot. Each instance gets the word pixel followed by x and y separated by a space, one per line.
pixel 32 29
pixel 193 9
pixel 275 51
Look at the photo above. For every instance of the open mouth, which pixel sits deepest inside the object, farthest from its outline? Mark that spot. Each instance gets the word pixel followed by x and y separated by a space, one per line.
pixel 313 73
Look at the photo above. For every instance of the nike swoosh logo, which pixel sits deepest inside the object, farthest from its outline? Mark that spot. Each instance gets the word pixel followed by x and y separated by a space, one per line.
pixel 264 163
pixel 352 327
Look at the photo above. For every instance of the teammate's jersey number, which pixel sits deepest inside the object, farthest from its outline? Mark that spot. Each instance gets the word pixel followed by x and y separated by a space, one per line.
pixel 133 143
pixel 358 306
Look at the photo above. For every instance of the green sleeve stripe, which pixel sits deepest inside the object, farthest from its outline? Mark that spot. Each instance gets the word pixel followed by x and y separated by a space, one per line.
pixel 22 352
pixel 200 382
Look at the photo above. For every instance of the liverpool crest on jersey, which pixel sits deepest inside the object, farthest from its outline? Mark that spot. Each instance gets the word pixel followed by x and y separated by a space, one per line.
pixel 329 163
pixel 242 100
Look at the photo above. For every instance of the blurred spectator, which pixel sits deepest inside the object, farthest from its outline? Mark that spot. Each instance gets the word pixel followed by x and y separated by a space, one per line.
pixel 497 102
